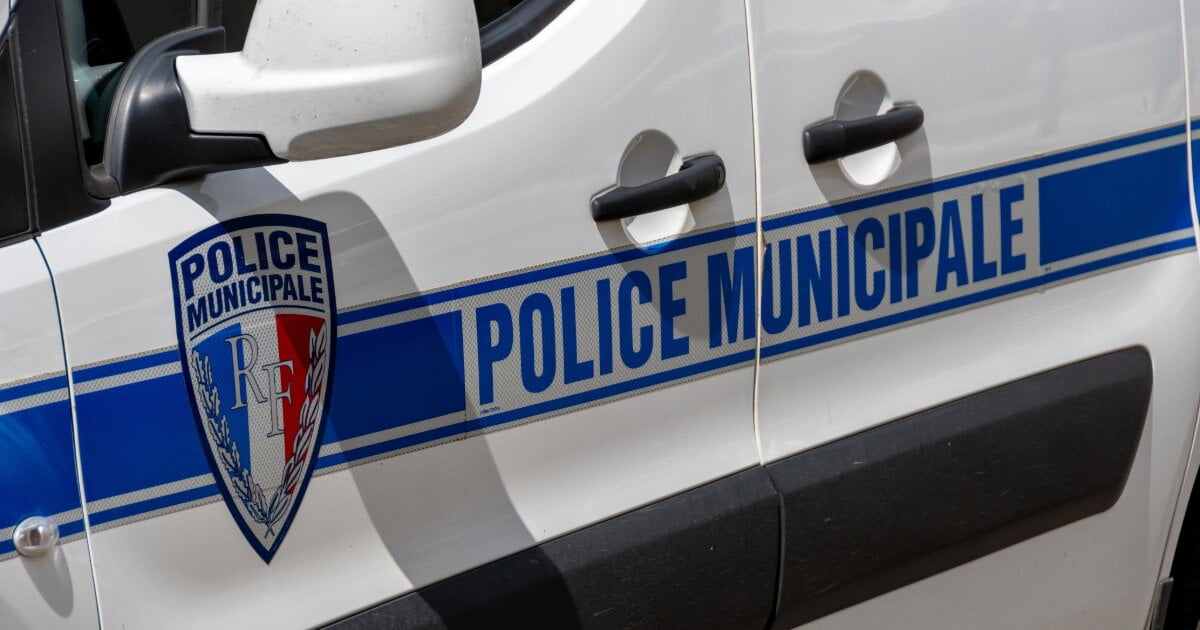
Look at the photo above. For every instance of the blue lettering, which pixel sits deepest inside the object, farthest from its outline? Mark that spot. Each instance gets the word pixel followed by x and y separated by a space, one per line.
pixel 842 238
pixel 917 248
pixel 239 256
pixel 815 279
pixel 279 238
pixel 260 244
pixel 289 288
pixel 724 289
pixel 490 352
pixel 573 370
pixel 951 239
pixel 894 260
pixel 254 290
pixel 604 325
pixel 192 267
pixel 274 285
pixel 197 315
pixel 867 299
pixel 669 308
pixel 533 380
pixel 220 262
pixel 317 290
pixel 1009 229
pixel 982 269
pixel 304 244
pixel 773 323
pixel 631 356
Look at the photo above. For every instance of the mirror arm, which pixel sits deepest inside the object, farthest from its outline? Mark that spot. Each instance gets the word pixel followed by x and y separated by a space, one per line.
pixel 149 138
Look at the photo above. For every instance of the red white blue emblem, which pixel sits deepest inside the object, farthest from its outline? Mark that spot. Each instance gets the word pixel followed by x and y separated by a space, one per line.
pixel 254 311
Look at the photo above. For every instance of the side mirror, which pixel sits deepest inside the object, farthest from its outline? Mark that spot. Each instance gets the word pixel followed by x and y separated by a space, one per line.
pixel 316 79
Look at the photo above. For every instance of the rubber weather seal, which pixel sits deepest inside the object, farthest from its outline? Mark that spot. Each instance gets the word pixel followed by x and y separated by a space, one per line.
pixel 521 24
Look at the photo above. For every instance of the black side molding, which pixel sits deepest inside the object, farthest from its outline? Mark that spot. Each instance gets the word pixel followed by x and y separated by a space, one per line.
pixel 707 558
pixel 892 505
pixel 518 26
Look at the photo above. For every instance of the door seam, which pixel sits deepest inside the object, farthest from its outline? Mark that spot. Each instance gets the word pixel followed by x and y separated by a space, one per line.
pixel 83 504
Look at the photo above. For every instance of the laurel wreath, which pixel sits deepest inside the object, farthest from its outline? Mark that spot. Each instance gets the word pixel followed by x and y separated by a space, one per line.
pixel 262 510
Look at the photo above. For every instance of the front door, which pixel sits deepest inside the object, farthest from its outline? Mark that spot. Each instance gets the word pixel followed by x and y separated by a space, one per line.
pixel 505 368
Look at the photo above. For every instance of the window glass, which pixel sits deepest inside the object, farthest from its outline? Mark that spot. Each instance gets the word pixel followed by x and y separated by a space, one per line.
pixel 102 36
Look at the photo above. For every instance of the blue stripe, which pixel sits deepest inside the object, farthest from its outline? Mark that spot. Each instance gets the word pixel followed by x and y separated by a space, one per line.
pixel 66 529
pixel 549 406
pixel 966 179
pixel 682 372
pixel 425 355
pixel 668 376
pixel 138 436
pixel 125 366
pixel 49 384
pixel 37 462
pixel 974 298
pixel 1089 209
pixel 142 435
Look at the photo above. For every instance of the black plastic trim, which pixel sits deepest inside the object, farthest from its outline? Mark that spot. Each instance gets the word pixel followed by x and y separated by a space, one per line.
pixel 697 178
pixel 707 558
pixel 518 26
pixel 16 211
pixel 149 140
pixel 52 141
pixel 835 139
pixel 892 505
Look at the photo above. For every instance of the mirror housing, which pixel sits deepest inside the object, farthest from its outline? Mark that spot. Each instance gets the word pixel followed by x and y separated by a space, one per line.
pixel 316 79
pixel 321 79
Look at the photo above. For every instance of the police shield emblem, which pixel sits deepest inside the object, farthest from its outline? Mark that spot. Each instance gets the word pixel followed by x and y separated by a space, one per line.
pixel 254 311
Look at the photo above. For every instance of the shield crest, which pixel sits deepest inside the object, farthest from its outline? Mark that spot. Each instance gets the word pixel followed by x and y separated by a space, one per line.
pixel 254 312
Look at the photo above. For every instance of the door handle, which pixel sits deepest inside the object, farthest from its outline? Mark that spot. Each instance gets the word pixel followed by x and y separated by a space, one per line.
pixel 835 139
pixel 697 178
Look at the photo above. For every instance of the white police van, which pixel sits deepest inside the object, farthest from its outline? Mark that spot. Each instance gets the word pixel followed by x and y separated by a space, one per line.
pixel 598 313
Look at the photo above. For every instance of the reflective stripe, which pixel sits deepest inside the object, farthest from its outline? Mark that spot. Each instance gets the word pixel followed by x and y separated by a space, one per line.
pixel 420 370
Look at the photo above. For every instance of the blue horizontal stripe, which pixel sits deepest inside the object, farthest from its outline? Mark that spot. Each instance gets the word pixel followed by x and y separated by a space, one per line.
pixel 37 462
pixel 1089 209
pixel 948 183
pixel 549 406
pixel 70 528
pixel 48 384
pixel 668 376
pixel 125 366
pixel 974 298
pixel 142 435
pixel 137 436
pixel 425 355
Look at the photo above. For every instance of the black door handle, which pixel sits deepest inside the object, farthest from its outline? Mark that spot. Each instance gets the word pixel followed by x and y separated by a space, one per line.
pixel 697 178
pixel 835 139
